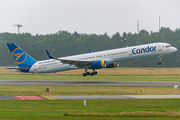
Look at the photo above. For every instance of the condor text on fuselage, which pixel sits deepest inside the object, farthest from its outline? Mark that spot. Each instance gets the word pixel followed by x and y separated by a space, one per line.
pixel 144 50
pixel 92 60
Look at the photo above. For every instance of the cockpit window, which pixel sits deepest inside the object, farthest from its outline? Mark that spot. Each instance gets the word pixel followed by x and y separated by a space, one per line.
pixel 168 46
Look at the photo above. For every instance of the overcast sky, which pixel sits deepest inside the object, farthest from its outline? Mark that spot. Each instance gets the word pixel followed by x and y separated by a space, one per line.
pixel 88 16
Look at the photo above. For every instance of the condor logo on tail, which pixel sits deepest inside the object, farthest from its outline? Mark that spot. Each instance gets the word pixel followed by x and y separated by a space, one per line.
pixel 19 55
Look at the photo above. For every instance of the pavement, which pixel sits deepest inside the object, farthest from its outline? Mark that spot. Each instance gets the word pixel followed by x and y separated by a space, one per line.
pixel 53 97
pixel 22 97
pixel 91 83
pixel 115 96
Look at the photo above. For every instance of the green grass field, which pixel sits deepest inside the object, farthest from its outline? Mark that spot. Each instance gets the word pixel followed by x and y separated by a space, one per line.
pixel 124 109
pixel 98 109
pixel 90 78
pixel 84 90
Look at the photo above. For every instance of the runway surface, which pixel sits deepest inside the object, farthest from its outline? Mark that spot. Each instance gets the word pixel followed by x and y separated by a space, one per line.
pixel 22 97
pixel 92 97
pixel 115 96
pixel 91 83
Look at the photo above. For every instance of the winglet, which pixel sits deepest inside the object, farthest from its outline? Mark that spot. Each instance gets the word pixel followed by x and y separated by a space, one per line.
pixel 51 57
pixel 90 51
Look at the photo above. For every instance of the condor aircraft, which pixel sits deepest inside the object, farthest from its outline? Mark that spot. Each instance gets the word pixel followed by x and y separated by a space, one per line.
pixel 92 60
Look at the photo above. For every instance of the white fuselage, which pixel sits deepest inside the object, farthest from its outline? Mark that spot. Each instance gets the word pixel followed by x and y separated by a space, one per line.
pixel 114 55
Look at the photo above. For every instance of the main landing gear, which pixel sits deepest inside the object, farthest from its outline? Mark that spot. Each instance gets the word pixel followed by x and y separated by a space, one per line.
pixel 160 59
pixel 88 73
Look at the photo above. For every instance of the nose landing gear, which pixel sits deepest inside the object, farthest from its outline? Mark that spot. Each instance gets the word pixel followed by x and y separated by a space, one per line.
pixel 160 59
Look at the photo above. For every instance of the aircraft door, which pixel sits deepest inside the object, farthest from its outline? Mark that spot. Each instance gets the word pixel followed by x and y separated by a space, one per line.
pixel 159 48
pixel 34 67
pixel 130 52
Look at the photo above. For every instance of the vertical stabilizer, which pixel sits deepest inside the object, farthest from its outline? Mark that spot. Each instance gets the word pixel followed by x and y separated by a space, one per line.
pixel 22 58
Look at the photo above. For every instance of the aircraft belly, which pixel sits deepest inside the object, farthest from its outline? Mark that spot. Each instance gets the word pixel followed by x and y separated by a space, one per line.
pixel 53 68
pixel 58 69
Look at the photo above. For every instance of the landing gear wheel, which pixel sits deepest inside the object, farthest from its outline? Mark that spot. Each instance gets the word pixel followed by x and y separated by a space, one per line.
pixel 92 74
pixel 84 74
pixel 95 72
pixel 88 73
pixel 160 59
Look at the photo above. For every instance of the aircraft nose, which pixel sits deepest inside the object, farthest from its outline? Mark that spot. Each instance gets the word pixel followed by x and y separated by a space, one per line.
pixel 174 49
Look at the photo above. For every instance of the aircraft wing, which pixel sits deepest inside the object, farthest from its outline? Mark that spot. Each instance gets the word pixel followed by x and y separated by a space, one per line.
pixel 71 62
pixel 75 62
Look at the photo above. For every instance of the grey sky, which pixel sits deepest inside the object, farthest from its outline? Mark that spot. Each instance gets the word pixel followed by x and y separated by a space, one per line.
pixel 88 16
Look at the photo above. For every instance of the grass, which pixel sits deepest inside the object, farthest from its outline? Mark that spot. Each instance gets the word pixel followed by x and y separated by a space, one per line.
pixel 90 78
pixel 84 90
pixel 113 71
pixel 97 109
pixel 114 74
pixel 124 109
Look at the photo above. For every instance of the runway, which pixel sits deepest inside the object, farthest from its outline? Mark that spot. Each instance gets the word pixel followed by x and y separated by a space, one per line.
pixel 91 83
pixel 115 96
pixel 22 97
pixel 53 97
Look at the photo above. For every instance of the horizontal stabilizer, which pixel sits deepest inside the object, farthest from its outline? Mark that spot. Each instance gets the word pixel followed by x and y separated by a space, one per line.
pixel 19 68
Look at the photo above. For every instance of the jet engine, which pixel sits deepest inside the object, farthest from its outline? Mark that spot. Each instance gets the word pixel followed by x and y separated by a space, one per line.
pixel 98 64
pixel 115 64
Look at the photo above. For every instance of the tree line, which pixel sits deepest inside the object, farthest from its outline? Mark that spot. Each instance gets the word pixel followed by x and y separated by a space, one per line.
pixel 63 43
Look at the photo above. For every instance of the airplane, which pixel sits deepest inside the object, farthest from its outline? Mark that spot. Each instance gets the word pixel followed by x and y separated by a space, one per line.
pixel 91 60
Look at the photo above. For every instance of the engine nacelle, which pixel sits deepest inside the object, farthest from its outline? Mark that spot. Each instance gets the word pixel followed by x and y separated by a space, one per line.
pixel 98 64
pixel 115 64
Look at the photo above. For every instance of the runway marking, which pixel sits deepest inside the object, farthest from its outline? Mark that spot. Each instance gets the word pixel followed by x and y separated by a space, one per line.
pixel 28 97
pixel 48 97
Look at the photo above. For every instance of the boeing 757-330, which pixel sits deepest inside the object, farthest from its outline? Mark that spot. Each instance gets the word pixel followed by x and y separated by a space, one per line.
pixel 92 60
